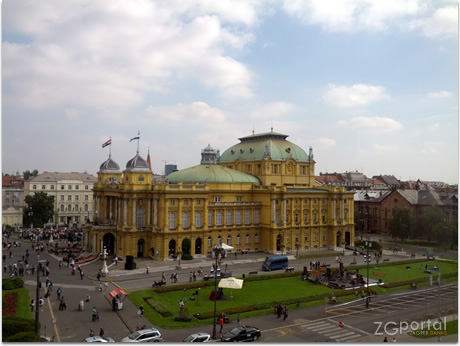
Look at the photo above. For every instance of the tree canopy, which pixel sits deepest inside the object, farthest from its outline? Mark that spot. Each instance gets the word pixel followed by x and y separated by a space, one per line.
pixel 39 210
pixel 400 224
pixel 28 174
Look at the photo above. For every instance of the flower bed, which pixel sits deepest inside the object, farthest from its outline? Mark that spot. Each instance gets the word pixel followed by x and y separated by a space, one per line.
pixel 10 303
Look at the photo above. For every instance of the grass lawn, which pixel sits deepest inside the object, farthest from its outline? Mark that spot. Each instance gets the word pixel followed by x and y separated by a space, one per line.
pixel 23 307
pixel 264 294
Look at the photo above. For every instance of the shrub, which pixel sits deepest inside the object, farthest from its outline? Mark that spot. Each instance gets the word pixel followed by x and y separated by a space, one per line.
pixel 186 257
pixel 157 306
pixel 11 327
pixel 12 283
pixel 10 304
pixel 23 337
pixel 183 318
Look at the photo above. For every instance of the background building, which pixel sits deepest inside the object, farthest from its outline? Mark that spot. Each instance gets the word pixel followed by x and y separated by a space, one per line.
pixel 73 196
pixel 12 201
pixel 260 194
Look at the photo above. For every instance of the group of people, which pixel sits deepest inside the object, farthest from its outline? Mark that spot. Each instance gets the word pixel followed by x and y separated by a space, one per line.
pixel 315 264
pixel 281 310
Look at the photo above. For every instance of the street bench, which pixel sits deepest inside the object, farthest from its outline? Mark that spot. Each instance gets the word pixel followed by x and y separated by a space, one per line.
pixel 386 260
pixel 289 269
pixel 253 273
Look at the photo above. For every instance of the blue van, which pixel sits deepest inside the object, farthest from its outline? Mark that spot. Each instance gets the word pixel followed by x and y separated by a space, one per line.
pixel 275 262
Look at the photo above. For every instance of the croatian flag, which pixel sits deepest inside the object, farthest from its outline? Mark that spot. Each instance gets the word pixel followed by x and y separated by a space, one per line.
pixel 107 143
pixel 137 137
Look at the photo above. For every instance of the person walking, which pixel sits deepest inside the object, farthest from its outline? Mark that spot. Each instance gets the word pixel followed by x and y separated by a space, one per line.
pixel 32 304
pixel 238 320
pixel 91 333
pixel 41 303
pixel 93 314
pixel 101 333
pixel 221 323
pixel 147 269
pixel 285 314
pixel 81 275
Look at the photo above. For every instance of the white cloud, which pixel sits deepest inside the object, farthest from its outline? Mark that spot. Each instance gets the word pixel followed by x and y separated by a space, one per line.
pixel 194 113
pixel 440 94
pixel 324 142
pixel 95 54
pixel 356 95
pixel 432 147
pixel 375 124
pixel 443 23
pixel 271 110
pixel 352 15
pixel 434 127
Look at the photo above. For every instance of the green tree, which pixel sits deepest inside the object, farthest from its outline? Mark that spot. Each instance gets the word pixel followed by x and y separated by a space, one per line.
pixel 28 174
pixel 39 210
pixel 400 224
pixel 446 233
pixel 430 221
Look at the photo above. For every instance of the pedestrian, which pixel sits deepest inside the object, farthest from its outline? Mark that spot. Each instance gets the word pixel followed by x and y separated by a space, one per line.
pixel 98 276
pixel 106 284
pixel 235 255
pixel 394 339
pixel 385 339
pixel 147 269
pixel 285 314
pixel 81 275
pixel 91 333
pixel 63 305
pixel 141 309
pixel 181 305
pixel 238 320
pixel 163 277
pixel 101 333
pixel 100 287
pixel 93 314
pixel 41 303
pixel 221 323
pixel 60 265
pixel 32 304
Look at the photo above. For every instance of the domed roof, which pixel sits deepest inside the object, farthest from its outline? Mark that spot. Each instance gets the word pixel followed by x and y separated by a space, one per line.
pixel 270 145
pixel 109 165
pixel 137 163
pixel 211 174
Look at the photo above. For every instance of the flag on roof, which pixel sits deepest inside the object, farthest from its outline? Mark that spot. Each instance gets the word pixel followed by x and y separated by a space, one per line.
pixel 137 137
pixel 148 161
pixel 109 142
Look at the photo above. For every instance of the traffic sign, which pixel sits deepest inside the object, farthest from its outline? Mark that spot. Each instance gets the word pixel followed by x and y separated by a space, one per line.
pixel 341 324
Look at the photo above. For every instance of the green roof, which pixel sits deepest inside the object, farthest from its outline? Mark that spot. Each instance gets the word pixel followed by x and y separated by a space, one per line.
pixel 271 145
pixel 211 174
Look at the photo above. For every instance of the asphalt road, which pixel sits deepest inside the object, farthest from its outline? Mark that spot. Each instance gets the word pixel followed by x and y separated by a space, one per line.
pixel 72 325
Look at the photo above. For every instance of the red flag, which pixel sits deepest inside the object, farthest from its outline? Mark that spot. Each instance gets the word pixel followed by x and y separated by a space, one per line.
pixel 148 160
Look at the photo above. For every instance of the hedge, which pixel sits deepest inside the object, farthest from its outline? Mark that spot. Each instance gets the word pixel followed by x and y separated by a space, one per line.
pixel 23 337
pixel 11 327
pixel 12 283
pixel 157 306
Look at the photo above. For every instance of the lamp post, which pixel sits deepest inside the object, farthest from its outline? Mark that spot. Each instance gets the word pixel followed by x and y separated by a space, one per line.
pixel 217 251
pixel 368 243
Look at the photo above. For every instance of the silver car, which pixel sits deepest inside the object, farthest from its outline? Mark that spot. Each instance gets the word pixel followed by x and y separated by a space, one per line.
pixel 144 335
pixel 98 339
pixel 198 337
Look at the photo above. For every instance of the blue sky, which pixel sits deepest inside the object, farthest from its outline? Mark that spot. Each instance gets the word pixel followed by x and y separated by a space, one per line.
pixel 370 85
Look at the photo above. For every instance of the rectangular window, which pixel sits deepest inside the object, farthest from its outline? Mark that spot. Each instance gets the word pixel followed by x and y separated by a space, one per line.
pixel 86 197
pixel 228 218
pixel 86 187
pixel 239 199
pixel 62 187
pixel 256 217
pixel 52 187
pixel 238 240
pixel 217 199
pixel 219 218
pixel 209 242
pixel 256 239
pixel 275 169
pixel 172 203
pixel 315 237
pixel 305 217
pixel 185 221
pixel 304 170
pixel 62 197
pixel 185 201
pixel 324 236
pixel 247 238
pixel 34 187
pixel 306 238
pixel 76 197
pixel 198 219
pixel 198 202
pixel 247 217
pixel 238 217
pixel 77 187
pixel 43 187
pixel 172 221
pixel 69 197
pixel 210 223
pixel 70 187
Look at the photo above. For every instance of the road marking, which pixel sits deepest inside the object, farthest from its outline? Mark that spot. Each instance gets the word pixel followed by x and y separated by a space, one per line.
pixel 341 334
pixel 56 331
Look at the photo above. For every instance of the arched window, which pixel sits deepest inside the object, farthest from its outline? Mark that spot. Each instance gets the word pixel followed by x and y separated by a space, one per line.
pixel 247 239
pixel 229 240
pixel 76 208
pixel 219 241
pixel 62 207
pixel 172 221
pixel 69 208
pixel 256 238
pixel 86 207
pixel 219 218
pixel 209 241
pixel 238 240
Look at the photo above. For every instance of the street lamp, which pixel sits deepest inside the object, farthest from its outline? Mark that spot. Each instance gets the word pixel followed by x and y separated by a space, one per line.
pixel 218 251
pixel 368 244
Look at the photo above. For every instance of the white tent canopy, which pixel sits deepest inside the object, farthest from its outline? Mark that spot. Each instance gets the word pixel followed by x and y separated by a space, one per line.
pixel 226 247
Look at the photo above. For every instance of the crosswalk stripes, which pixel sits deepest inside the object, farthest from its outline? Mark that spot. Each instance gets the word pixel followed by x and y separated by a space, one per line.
pixel 332 331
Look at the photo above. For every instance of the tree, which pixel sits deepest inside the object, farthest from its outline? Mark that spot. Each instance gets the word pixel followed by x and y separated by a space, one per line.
pixel 40 206
pixel 28 174
pixel 446 233
pixel 400 224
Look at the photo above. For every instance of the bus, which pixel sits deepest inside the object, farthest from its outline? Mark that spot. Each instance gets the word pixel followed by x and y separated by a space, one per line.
pixel 275 262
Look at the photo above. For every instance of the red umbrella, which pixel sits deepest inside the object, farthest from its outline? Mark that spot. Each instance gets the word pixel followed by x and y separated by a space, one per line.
pixel 116 292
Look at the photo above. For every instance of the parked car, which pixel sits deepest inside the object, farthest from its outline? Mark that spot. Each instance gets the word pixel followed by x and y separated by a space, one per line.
pixel 144 335
pixel 242 333
pixel 98 338
pixel 198 337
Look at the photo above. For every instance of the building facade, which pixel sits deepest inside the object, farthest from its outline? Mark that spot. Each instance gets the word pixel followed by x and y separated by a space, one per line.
pixel 12 201
pixel 73 196
pixel 260 194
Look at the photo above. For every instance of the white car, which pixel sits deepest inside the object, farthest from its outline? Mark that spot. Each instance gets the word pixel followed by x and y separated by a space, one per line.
pixel 98 339
pixel 198 337
pixel 144 335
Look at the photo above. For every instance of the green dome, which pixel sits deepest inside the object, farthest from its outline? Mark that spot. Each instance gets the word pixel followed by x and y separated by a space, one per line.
pixel 270 145
pixel 210 174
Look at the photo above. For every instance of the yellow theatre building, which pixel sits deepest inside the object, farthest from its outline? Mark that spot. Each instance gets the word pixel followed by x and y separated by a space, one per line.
pixel 259 195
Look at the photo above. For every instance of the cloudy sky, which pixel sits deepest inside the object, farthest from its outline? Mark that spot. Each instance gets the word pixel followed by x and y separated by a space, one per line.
pixel 370 85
